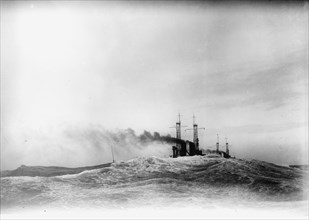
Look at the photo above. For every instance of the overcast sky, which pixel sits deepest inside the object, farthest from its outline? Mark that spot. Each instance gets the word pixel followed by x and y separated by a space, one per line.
pixel 242 69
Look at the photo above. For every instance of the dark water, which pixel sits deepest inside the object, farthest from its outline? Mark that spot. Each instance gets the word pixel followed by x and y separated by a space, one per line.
pixel 202 182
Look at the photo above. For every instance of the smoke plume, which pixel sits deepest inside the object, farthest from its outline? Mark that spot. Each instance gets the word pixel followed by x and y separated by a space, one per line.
pixel 81 145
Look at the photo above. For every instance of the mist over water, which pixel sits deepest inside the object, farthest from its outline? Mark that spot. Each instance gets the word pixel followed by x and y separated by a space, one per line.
pixel 75 71
pixel 74 146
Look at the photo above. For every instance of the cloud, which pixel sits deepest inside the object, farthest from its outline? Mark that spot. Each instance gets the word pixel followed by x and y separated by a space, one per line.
pixel 258 128
pixel 137 64
pixel 273 85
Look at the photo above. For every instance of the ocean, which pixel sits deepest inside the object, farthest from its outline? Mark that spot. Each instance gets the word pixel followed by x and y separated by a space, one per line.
pixel 153 187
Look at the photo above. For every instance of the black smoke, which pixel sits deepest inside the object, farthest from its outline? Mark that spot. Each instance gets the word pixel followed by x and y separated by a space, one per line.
pixel 82 145
pixel 156 137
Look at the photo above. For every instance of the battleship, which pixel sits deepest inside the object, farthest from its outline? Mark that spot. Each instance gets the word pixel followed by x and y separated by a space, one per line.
pixel 201 180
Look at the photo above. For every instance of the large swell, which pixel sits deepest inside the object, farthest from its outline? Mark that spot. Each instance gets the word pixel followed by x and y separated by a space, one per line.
pixel 198 181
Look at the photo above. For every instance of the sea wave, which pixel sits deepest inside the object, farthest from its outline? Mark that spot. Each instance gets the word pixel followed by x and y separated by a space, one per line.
pixel 197 181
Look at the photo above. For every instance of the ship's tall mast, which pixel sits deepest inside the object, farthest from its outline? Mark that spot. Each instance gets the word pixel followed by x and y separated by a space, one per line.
pixel 195 134
pixel 217 143
pixel 227 146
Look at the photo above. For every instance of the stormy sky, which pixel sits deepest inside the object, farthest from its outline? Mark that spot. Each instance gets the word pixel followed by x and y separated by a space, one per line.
pixel 241 68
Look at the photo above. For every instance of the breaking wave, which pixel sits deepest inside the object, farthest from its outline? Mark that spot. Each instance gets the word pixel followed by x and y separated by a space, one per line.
pixel 199 181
